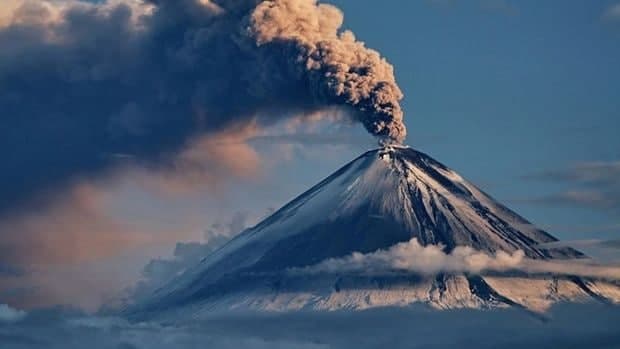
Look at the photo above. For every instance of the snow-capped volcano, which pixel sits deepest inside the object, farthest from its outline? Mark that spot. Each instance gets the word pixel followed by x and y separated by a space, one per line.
pixel 384 198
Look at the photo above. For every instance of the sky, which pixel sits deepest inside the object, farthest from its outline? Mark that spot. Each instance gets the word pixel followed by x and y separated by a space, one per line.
pixel 521 98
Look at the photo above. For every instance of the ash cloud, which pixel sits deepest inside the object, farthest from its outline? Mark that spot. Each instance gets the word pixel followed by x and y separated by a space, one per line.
pixel 412 257
pixel 80 81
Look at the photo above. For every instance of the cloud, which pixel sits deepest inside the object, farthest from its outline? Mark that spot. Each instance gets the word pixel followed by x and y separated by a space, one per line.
pixel 612 13
pixel 612 244
pixel 207 162
pixel 75 230
pixel 412 257
pixel 186 255
pixel 8 314
pixel 595 185
pixel 601 250
pixel 63 252
pixel 414 327
pixel 80 81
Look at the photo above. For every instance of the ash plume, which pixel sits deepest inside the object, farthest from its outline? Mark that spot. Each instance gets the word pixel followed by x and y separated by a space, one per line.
pixel 336 67
pixel 79 80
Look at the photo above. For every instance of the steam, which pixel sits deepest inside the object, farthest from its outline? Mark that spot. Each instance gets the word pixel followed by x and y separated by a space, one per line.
pixel 411 256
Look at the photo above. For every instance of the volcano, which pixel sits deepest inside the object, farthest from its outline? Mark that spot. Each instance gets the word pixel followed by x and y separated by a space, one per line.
pixel 384 197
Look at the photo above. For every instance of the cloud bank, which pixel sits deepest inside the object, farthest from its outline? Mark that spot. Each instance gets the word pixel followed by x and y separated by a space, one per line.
pixel 380 328
pixel 411 256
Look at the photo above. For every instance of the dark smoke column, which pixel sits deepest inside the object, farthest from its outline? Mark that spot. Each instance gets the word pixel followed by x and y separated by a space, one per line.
pixel 336 67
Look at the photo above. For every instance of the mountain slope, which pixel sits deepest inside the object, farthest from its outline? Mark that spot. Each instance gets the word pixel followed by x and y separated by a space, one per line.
pixel 384 197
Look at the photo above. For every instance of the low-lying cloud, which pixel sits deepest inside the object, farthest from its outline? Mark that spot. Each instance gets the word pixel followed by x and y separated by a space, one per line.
pixel 415 327
pixel 160 271
pixel 412 257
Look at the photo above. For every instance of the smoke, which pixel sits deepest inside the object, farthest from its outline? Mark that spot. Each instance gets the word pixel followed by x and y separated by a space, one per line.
pixel 338 68
pixel 80 81
pixel 411 256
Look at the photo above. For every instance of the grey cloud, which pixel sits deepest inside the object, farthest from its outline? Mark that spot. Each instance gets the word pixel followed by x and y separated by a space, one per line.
pixel 8 314
pixel 186 255
pixel 612 13
pixel 81 80
pixel 414 327
pixel 615 244
pixel 601 173
pixel 593 185
pixel 606 251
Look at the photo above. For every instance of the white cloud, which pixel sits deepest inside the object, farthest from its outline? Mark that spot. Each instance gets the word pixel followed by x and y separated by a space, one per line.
pixel 412 257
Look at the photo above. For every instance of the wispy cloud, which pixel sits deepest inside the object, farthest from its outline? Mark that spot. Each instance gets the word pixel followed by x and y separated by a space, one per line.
pixel 505 7
pixel 612 13
pixel 593 185
pixel 601 250
pixel 186 255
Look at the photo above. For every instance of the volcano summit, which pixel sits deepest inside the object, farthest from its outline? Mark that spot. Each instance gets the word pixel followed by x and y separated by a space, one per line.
pixel 383 199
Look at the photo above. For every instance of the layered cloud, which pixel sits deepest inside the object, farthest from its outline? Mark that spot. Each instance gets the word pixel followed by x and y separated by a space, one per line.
pixel 593 185
pixel 394 328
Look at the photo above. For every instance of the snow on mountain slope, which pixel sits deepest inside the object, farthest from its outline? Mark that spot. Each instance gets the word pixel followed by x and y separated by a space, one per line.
pixel 384 197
